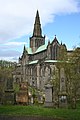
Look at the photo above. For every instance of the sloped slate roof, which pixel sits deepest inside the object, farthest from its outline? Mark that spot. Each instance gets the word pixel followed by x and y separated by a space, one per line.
pixel 54 61
pixel 33 62
pixel 29 50
pixel 51 61
pixel 41 48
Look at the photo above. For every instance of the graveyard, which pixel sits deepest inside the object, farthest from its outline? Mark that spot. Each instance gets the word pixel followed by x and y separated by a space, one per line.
pixel 26 104
pixel 20 100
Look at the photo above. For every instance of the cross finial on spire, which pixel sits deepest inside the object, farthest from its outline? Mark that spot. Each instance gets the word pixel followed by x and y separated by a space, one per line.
pixel 55 36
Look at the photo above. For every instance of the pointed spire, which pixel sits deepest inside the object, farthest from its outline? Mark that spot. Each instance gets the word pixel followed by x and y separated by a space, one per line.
pixel 24 48
pixel 37 20
pixel 24 51
pixel 48 42
pixel 37 32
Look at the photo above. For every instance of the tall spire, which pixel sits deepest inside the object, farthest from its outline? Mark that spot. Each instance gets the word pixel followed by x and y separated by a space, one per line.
pixel 37 32
pixel 24 48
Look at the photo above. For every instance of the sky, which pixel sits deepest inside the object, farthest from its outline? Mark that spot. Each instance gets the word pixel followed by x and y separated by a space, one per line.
pixel 58 17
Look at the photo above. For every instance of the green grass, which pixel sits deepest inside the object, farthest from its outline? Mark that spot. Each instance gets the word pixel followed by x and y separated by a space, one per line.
pixel 68 114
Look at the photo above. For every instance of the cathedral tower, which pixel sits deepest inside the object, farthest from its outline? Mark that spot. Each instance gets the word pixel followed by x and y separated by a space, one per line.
pixel 37 39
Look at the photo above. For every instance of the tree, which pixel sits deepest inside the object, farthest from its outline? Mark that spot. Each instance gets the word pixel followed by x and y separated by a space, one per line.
pixel 73 76
pixel 5 75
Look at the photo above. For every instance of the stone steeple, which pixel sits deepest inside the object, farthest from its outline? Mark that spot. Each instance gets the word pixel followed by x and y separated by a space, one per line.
pixel 37 39
pixel 24 51
pixel 37 32
pixel 24 48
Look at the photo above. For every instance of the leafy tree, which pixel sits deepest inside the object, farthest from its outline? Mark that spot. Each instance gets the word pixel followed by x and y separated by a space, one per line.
pixel 73 76
pixel 5 74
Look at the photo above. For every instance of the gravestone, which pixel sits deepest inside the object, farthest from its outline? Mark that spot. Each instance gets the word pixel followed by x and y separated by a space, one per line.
pixel 22 95
pixel 63 100
pixel 62 93
pixel 9 93
pixel 48 96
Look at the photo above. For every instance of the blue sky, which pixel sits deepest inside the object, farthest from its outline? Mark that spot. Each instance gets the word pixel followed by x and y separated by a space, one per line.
pixel 66 28
pixel 58 17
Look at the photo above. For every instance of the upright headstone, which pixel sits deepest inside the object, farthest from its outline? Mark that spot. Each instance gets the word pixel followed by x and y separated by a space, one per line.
pixel 22 95
pixel 63 101
pixel 9 93
pixel 48 96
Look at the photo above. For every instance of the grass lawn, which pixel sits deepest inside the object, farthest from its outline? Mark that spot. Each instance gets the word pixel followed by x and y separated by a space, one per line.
pixel 69 114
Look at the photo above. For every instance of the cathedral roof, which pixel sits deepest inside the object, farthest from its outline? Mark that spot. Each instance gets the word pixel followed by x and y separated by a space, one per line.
pixel 51 61
pixel 46 61
pixel 41 48
pixel 29 50
pixel 33 62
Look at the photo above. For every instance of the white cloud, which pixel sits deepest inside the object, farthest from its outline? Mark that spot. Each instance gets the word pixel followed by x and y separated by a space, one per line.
pixel 17 16
pixel 15 43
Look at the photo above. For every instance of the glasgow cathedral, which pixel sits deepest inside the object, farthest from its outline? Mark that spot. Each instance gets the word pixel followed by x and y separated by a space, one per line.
pixel 37 64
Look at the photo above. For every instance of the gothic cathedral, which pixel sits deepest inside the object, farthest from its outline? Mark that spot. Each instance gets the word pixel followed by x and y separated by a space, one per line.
pixel 37 65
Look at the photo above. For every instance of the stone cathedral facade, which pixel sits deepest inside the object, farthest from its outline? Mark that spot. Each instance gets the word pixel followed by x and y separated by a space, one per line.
pixel 37 64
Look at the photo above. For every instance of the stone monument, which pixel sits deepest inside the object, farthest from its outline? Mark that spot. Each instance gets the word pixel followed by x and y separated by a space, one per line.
pixel 9 92
pixel 63 100
pixel 62 93
pixel 22 95
pixel 48 95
